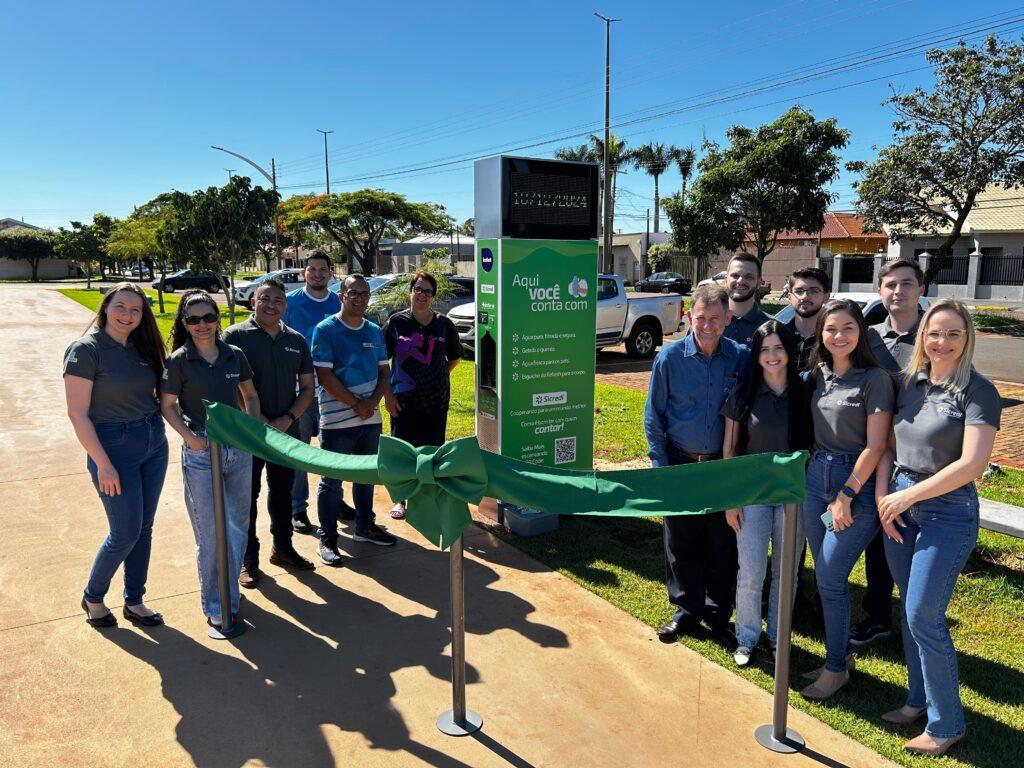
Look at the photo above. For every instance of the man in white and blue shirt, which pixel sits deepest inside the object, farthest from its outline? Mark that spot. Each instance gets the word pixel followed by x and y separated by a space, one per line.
pixel 353 376
pixel 306 307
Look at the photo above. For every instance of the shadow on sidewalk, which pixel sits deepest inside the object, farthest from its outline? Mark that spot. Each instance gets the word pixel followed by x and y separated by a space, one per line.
pixel 318 665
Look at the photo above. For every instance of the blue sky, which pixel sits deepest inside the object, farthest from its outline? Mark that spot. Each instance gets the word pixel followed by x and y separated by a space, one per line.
pixel 107 105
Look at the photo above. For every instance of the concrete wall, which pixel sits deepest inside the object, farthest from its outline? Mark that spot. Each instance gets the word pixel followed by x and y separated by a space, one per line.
pixel 49 269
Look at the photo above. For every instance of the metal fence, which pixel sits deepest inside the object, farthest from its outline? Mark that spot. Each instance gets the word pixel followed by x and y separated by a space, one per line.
pixel 953 271
pixel 857 269
pixel 827 264
pixel 999 269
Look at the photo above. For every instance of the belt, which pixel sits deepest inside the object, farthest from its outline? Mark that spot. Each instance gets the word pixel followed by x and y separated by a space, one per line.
pixel 700 456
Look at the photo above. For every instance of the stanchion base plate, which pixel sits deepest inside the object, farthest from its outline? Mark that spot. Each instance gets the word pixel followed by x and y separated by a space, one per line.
pixel 238 628
pixel 446 723
pixel 793 742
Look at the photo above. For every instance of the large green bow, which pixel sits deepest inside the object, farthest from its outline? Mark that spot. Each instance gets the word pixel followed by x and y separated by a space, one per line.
pixel 438 482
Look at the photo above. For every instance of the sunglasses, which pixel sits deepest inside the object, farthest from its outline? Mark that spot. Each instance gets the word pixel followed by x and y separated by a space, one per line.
pixel 209 318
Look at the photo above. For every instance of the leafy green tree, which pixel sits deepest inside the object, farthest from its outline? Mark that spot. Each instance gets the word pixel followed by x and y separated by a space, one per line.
pixel 950 143
pixel 767 180
pixel 213 229
pixel 659 257
pixel 24 244
pixel 359 220
pixel 654 159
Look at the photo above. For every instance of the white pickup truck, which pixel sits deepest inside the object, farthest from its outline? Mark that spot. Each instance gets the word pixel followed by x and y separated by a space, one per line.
pixel 640 320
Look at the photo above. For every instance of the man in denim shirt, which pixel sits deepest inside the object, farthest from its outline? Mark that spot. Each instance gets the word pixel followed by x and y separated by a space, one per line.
pixel 690 381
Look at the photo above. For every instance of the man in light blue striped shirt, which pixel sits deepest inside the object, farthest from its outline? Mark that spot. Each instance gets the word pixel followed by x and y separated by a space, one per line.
pixel 352 376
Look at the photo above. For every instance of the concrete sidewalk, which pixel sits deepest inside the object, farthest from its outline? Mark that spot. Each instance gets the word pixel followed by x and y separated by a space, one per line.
pixel 341 667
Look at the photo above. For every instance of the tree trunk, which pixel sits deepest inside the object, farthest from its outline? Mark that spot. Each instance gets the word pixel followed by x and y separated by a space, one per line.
pixel 656 199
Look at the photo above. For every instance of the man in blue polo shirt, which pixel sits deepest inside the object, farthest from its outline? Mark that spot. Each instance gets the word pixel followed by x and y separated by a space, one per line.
pixel 353 375
pixel 307 306
pixel 690 381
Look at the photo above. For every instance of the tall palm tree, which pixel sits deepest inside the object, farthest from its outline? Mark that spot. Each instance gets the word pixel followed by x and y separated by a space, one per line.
pixel 654 159
pixel 685 160
pixel 619 155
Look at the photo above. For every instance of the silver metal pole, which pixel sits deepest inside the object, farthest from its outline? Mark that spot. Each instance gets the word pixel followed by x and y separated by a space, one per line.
pixel 228 628
pixel 776 736
pixel 458 721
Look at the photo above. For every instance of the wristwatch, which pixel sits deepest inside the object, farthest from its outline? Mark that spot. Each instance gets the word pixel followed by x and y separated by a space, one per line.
pixel 847 490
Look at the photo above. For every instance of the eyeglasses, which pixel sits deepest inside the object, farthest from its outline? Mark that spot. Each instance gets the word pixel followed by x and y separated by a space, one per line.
pixel 801 292
pixel 209 318
pixel 951 336
pixel 358 294
pixel 422 291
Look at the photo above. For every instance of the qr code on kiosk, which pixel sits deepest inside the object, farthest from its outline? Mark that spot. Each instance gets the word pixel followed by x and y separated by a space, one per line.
pixel 565 450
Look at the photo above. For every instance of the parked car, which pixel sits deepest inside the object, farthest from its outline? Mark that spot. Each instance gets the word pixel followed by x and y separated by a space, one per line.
pixel 870 304
pixel 465 288
pixel 245 290
pixel 665 282
pixel 763 290
pixel 640 321
pixel 186 278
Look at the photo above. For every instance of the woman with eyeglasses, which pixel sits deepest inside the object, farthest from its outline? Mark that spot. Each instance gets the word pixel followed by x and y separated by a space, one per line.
pixel 424 348
pixel 202 367
pixel 851 413
pixel 947 415
pixel 110 384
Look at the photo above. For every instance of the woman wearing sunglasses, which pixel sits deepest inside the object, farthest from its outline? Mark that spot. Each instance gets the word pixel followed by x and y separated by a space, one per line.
pixel 947 415
pixel 202 367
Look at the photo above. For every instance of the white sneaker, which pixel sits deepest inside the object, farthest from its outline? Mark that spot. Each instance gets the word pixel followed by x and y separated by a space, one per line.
pixel 742 656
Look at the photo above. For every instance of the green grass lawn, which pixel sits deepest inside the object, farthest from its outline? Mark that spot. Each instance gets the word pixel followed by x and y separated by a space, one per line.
pixel 621 559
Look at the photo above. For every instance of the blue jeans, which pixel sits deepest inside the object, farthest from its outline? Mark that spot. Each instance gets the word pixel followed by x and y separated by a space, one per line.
pixel 761 523
pixel 196 470
pixel 835 554
pixel 938 536
pixel 138 451
pixel 357 441
pixel 309 425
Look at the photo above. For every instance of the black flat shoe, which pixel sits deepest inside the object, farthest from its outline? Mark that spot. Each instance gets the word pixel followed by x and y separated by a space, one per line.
pixel 109 620
pixel 153 620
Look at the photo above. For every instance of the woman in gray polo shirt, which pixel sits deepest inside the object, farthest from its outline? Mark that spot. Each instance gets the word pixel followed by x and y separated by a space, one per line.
pixel 851 413
pixel 110 382
pixel 202 367
pixel 947 415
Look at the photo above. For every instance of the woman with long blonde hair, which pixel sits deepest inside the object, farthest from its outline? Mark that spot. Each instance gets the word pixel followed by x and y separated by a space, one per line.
pixel 947 415
pixel 110 383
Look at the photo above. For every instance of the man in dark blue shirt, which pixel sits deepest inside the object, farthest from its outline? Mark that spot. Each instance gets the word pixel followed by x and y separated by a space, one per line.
pixel 690 381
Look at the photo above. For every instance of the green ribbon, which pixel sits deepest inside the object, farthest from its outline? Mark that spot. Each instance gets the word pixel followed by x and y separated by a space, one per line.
pixel 438 482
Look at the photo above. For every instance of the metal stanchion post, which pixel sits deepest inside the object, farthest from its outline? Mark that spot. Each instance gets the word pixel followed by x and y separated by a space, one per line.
pixel 228 628
pixel 458 721
pixel 776 736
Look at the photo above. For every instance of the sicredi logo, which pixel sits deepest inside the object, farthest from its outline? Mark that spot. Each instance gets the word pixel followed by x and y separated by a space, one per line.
pixel 486 259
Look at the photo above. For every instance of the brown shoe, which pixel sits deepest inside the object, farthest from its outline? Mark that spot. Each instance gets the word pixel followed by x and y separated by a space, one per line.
pixel 904 715
pixel 250 575
pixel 826 685
pixel 926 744
pixel 289 558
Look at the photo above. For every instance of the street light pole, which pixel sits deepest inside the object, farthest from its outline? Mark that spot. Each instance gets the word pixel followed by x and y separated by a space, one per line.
pixel 272 178
pixel 327 165
pixel 606 226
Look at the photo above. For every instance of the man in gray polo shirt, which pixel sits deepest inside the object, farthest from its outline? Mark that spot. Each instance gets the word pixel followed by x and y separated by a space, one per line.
pixel 283 376
pixel 742 279
pixel 900 285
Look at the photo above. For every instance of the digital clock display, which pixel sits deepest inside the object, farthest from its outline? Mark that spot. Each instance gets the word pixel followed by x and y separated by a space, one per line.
pixel 547 199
